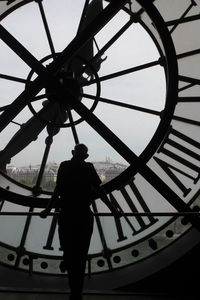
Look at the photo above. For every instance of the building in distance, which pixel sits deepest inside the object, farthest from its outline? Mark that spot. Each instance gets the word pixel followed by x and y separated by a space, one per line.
pixel 27 175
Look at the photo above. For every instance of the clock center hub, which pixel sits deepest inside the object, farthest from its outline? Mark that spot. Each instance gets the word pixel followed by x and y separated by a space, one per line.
pixel 68 90
pixel 70 85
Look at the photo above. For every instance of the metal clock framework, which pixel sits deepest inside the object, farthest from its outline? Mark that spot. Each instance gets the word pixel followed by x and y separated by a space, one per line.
pixel 82 88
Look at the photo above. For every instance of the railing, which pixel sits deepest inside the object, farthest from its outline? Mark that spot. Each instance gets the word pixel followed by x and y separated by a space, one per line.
pixel 101 214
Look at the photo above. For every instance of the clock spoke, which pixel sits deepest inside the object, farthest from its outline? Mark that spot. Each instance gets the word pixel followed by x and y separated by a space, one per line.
pixel 23 53
pixel 48 142
pixel 122 104
pixel 188 53
pixel 47 30
pixel 74 131
pixel 124 72
pixel 12 78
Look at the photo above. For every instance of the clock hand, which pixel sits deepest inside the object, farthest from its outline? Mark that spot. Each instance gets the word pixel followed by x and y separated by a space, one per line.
pixel 82 19
pixel 88 33
pixel 30 131
pixel 91 11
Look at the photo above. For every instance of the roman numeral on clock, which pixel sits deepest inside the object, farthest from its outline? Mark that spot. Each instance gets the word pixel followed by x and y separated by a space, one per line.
pixel 133 198
pixel 180 160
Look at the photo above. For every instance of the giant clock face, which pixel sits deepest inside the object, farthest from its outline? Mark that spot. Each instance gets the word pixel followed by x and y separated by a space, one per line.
pixel 123 78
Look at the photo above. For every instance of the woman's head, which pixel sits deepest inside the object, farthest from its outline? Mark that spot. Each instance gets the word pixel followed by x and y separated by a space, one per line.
pixel 80 151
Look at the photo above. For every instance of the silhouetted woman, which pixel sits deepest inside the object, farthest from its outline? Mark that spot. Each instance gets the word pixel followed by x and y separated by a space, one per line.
pixel 77 181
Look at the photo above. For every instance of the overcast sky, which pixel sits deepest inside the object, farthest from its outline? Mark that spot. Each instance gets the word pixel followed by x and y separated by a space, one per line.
pixel 145 88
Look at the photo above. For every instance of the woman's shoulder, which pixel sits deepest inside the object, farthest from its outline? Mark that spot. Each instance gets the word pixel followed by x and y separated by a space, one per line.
pixel 89 165
pixel 64 163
